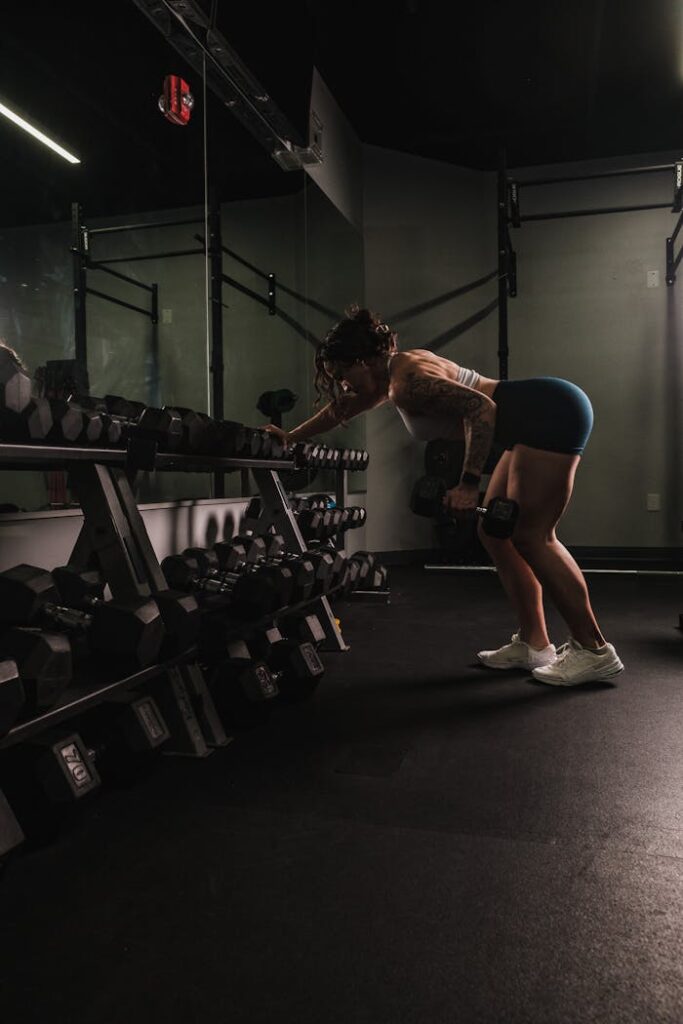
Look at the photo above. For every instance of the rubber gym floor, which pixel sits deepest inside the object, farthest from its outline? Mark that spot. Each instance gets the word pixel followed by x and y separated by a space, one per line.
pixel 424 841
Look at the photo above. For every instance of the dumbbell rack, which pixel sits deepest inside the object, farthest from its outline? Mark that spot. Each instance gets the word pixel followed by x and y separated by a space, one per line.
pixel 114 540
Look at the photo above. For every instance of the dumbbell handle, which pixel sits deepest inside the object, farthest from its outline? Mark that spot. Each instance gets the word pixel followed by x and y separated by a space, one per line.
pixel 70 618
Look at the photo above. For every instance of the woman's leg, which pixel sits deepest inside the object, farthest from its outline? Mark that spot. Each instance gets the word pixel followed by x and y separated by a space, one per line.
pixel 542 482
pixel 516 575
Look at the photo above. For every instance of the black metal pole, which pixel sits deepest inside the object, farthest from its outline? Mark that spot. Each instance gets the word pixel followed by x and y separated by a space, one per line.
pixel 216 368
pixel 79 263
pixel 503 349
pixel 142 227
pixel 653 169
pixel 594 213
pixel 155 381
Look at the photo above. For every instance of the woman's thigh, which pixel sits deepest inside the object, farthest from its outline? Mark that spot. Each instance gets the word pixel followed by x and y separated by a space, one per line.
pixel 498 483
pixel 541 483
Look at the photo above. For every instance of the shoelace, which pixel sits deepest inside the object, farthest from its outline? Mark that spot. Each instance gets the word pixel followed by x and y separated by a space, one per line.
pixel 563 652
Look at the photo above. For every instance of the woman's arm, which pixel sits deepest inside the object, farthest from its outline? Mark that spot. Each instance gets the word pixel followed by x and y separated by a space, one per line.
pixel 425 394
pixel 346 408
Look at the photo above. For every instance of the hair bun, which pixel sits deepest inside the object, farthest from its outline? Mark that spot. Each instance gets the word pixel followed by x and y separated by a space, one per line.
pixel 362 317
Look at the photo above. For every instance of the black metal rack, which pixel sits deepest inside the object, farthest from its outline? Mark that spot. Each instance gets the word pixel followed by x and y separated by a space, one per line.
pixel 114 539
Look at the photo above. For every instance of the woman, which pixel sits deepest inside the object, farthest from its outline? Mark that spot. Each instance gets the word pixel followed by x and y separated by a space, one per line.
pixel 543 423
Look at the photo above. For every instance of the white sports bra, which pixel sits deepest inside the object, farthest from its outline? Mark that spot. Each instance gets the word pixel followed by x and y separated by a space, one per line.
pixel 426 428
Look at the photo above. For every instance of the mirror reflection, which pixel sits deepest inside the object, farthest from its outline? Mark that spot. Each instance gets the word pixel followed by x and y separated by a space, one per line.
pixel 108 267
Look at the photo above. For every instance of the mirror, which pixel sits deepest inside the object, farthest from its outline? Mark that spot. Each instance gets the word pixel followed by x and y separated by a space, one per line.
pixel 108 257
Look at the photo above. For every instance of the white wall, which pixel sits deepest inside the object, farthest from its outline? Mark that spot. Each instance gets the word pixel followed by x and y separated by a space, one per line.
pixel 339 175
pixel 46 539
pixel 584 312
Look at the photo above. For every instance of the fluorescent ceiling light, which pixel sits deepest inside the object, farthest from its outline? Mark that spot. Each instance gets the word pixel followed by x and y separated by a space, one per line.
pixel 6 112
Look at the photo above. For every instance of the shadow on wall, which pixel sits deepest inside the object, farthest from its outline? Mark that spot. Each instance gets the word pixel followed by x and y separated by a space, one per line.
pixel 673 415
pixel 185 524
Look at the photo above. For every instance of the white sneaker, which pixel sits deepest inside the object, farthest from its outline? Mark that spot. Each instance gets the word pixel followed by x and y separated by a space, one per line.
pixel 576 664
pixel 517 654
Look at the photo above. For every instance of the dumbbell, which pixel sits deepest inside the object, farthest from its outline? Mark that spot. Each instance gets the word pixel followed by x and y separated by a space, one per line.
pixel 232 557
pixel 311 568
pixel 199 431
pixel 315 520
pixel 355 459
pixel 46 781
pixel 84 590
pixel 243 688
pixel 45 665
pixel 365 562
pixel 20 414
pixel 132 630
pixel 27 420
pixel 55 421
pixel 116 429
pixel 124 407
pixel 47 778
pixel 244 594
pixel 314 523
pixel 124 738
pixel 297 664
pixel 302 627
pixel 354 517
pixel 372 575
pixel 498 520
pixel 12 695
pixel 268 552
pixel 16 387
pixel 305 454
pixel 161 426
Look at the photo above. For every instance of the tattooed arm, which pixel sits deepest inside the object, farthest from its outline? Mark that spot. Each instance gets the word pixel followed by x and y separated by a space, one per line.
pixel 425 394
pixel 348 406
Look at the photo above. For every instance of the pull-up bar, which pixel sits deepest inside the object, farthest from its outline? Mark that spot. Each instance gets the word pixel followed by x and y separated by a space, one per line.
pixel 593 213
pixel 653 169
pixel 515 217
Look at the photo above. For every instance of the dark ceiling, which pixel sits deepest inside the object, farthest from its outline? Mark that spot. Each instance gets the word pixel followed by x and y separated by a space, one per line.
pixel 453 81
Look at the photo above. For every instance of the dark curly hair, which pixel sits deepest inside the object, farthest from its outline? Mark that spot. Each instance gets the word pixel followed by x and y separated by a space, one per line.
pixel 13 356
pixel 360 335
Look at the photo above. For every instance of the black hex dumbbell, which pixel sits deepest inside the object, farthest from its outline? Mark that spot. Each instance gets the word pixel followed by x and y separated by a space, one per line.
pixel 45 666
pixel 269 550
pixel 306 628
pixel 224 560
pixel 124 738
pixel 199 431
pixel 297 664
pixel 244 594
pixel 498 520
pixel 12 694
pixel 179 611
pixel 46 780
pixel 133 630
pixel 243 688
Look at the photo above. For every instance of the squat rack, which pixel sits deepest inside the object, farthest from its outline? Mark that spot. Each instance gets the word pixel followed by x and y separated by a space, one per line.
pixel 509 214
pixel 83 261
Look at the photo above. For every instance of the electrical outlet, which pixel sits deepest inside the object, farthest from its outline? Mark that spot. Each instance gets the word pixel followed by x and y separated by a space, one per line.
pixel 653 503
pixel 653 279
pixel 167 316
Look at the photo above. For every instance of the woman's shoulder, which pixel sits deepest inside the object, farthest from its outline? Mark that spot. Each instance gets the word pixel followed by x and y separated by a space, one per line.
pixel 402 362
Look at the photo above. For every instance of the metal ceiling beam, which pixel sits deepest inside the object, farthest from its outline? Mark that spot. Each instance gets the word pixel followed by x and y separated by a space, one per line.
pixel 188 30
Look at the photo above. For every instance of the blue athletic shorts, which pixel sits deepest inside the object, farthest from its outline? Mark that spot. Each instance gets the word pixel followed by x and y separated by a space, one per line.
pixel 543 412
